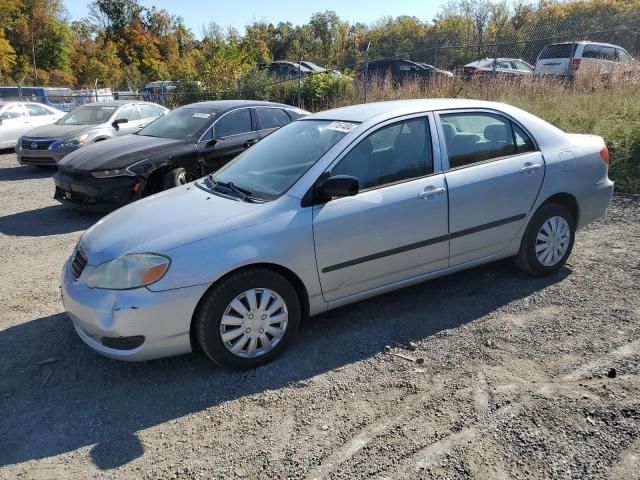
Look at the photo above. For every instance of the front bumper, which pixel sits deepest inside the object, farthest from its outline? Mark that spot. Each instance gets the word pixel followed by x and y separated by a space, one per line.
pixel 107 318
pixel 82 191
pixel 40 157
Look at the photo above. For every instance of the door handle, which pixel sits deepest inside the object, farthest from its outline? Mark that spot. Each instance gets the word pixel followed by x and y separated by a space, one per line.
pixel 248 143
pixel 431 192
pixel 530 168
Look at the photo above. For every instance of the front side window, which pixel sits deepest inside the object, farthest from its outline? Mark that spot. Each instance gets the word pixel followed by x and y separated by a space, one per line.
pixel 272 117
pixel 130 112
pixel 476 137
pixel 394 153
pixel 233 123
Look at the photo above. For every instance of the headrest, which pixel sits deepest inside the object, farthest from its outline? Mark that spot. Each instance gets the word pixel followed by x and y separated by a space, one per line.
pixel 449 130
pixel 496 132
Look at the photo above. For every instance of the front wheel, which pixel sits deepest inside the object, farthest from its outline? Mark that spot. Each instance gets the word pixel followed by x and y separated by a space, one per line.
pixel 547 241
pixel 247 319
pixel 175 178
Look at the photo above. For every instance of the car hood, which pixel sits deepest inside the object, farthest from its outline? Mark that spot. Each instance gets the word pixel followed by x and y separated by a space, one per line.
pixel 118 152
pixel 167 220
pixel 60 131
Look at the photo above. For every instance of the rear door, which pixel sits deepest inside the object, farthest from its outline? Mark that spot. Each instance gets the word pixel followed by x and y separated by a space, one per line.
pixel 494 173
pixel 556 59
pixel 230 135
pixel 39 114
pixel 395 228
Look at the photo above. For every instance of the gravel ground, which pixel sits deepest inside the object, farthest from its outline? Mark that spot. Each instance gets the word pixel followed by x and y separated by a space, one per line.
pixel 521 377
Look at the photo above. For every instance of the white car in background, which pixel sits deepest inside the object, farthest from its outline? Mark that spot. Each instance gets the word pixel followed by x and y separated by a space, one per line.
pixel 570 57
pixel 17 118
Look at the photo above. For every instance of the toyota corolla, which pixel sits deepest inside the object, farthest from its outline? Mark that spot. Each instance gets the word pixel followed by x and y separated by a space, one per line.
pixel 331 209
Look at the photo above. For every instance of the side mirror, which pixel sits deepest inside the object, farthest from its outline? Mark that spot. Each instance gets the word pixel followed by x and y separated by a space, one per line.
pixel 338 186
pixel 116 123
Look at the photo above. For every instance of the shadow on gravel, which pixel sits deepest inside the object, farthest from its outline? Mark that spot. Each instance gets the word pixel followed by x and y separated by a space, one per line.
pixel 53 220
pixel 56 395
pixel 20 172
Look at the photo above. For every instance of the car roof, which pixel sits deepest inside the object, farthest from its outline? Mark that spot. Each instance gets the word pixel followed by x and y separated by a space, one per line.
pixel 225 105
pixel 368 111
pixel 585 42
pixel 116 103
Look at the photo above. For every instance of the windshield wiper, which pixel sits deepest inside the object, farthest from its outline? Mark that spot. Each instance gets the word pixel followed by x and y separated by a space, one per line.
pixel 241 193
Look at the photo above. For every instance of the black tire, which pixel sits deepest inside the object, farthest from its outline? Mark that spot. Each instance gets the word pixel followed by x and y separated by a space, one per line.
pixel 175 178
pixel 526 260
pixel 208 317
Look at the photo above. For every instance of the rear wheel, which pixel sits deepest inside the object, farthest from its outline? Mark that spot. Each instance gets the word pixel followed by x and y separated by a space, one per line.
pixel 547 241
pixel 175 178
pixel 248 319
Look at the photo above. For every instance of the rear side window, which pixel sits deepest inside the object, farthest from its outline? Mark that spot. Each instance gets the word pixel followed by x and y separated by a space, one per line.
pixel 14 111
pixel 272 117
pixel 559 50
pixel 36 110
pixel 394 153
pixel 234 123
pixel 148 111
pixel 476 137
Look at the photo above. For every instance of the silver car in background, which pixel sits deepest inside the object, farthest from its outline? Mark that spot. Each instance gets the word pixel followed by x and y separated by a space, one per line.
pixel 17 118
pixel 90 123
pixel 331 209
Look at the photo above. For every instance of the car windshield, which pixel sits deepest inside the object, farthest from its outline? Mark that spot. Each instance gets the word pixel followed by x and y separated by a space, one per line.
pixel 87 115
pixel 272 166
pixel 180 124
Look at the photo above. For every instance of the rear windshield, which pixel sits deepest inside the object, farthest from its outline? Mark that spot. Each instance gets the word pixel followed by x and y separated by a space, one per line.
pixel 560 50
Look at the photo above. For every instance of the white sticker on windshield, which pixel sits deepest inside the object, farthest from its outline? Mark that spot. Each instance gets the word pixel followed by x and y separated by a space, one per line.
pixel 345 127
pixel 201 115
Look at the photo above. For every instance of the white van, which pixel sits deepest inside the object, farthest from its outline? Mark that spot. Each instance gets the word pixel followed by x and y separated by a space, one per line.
pixel 569 57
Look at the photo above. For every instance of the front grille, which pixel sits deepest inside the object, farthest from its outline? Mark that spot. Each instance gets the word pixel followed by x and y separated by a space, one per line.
pixel 33 144
pixel 78 264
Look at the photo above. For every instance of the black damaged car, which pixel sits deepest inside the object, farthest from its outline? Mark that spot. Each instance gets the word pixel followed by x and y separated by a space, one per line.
pixel 181 146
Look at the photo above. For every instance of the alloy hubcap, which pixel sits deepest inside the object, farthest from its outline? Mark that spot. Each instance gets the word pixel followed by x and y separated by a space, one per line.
pixel 254 323
pixel 182 178
pixel 552 241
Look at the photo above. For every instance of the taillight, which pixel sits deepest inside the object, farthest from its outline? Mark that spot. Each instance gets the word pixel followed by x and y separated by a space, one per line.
pixel 575 63
pixel 604 154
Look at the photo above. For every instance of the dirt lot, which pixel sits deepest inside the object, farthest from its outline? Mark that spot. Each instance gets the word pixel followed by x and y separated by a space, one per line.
pixel 515 381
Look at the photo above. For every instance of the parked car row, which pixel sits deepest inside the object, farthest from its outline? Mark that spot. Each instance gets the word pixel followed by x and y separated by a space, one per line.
pixel 317 211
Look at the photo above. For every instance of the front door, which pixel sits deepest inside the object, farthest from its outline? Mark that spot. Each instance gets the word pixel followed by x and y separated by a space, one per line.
pixel 231 135
pixel 396 227
pixel 494 176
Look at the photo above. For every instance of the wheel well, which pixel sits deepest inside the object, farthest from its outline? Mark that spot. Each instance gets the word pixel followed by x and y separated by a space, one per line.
pixel 297 283
pixel 154 182
pixel 568 201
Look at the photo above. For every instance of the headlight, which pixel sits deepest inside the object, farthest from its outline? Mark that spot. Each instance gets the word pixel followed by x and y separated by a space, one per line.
pixel 130 271
pixel 116 172
pixel 75 142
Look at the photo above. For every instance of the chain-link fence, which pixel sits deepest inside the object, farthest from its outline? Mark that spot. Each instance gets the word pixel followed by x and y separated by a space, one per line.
pixel 408 64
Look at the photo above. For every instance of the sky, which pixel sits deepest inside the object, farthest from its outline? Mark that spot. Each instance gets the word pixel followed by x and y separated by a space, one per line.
pixel 238 13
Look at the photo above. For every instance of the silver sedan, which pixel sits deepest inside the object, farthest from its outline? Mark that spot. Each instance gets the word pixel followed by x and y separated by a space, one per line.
pixel 331 209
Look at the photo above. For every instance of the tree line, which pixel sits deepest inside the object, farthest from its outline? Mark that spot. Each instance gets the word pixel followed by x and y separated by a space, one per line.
pixel 123 44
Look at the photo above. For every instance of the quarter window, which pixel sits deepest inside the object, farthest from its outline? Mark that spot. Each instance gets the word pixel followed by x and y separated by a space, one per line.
pixel 234 123
pixel 272 117
pixel 394 153
pixel 476 137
